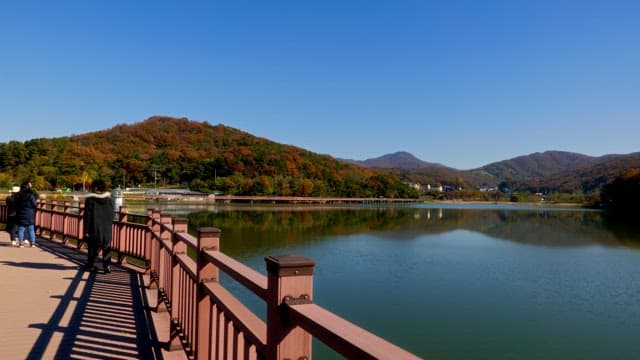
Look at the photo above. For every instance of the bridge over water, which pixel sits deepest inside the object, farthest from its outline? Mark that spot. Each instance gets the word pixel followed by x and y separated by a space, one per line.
pixel 169 305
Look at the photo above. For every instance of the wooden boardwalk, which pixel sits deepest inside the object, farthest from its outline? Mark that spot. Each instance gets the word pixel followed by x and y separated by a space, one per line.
pixel 49 309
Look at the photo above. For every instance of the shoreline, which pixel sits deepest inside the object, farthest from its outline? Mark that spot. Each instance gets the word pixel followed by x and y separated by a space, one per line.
pixel 505 203
pixel 306 202
pixel 170 206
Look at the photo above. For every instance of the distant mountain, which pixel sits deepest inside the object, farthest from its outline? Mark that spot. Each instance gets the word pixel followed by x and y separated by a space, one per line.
pixel 538 165
pixel 592 177
pixel 559 170
pixel 553 170
pixel 397 160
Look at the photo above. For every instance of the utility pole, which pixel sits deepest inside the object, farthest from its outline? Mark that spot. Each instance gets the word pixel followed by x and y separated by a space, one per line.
pixel 124 178
pixel 155 178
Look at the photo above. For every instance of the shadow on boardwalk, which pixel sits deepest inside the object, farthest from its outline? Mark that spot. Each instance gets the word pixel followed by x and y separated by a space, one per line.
pixel 108 318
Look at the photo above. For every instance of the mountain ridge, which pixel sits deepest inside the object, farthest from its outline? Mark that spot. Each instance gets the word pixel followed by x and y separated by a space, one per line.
pixel 187 151
pixel 399 159
pixel 561 170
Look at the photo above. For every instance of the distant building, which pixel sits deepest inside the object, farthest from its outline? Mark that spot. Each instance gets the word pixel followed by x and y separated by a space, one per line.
pixel 437 188
pixel 488 189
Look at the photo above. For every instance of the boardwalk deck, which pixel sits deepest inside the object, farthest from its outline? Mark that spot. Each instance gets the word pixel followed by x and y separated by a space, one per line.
pixel 51 310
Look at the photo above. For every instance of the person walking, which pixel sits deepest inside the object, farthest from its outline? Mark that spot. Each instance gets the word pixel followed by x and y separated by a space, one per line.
pixel 11 214
pixel 98 217
pixel 26 203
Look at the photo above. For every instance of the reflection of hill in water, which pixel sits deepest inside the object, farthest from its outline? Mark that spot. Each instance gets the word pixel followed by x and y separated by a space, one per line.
pixel 548 228
pixel 543 227
pixel 271 228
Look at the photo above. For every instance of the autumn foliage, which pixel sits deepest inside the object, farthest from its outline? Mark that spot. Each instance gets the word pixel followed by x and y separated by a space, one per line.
pixel 179 152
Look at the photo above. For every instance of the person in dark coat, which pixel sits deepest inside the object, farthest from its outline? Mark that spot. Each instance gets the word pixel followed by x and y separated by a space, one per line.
pixel 11 215
pixel 26 203
pixel 98 217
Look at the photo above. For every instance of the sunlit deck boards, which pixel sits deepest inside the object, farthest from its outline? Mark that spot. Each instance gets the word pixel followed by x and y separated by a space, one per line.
pixel 51 310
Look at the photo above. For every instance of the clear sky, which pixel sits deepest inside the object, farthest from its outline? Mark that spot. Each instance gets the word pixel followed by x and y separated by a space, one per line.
pixel 462 83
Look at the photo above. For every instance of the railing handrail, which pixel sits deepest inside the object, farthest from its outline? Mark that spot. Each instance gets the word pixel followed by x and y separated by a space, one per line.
pixel 206 318
pixel 246 276
pixel 348 339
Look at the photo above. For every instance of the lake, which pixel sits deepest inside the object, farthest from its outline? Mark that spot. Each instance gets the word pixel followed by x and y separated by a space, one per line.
pixel 456 281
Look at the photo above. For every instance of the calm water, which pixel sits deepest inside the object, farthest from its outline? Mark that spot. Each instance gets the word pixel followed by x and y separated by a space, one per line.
pixel 474 282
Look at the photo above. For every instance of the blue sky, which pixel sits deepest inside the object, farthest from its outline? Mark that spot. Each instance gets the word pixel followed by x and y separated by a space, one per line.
pixel 462 83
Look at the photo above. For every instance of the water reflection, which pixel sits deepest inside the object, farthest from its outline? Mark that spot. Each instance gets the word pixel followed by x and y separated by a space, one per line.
pixel 453 282
pixel 270 227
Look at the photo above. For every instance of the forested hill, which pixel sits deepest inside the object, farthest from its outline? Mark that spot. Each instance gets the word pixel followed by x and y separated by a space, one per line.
pixel 551 171
pixel 539 165
pixel 171 151
pixel 559 171
pixel 180 152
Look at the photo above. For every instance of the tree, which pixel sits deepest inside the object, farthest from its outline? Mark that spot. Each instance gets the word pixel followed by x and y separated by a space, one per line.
pixel 5 180
pixel 623 193
pixel 306 188
pixel 181 151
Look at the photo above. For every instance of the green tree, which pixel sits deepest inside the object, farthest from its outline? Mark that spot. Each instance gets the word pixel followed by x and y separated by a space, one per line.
pixel 5 180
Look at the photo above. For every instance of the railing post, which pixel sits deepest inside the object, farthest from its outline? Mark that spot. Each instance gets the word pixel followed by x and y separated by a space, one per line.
pixel 178 248
pixel 38 226
pixel 155 215
pixel 81 225
pixel 123 214
pixel 164 257
pixel 122 228
pixel 208 240
pixel 52 218
pixel 166 229
pixel 290 279
pixel 153 247
pixel 65 222
pixel 40 217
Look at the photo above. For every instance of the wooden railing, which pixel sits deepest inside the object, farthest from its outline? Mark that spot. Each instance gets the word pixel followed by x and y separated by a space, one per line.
pixel 207 321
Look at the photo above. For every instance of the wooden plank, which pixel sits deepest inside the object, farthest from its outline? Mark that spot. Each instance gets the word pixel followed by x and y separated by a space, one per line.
pixel 249 278
pixel 346 338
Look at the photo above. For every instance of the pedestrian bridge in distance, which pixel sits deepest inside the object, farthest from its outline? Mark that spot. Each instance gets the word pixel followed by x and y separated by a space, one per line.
pixel 163 300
